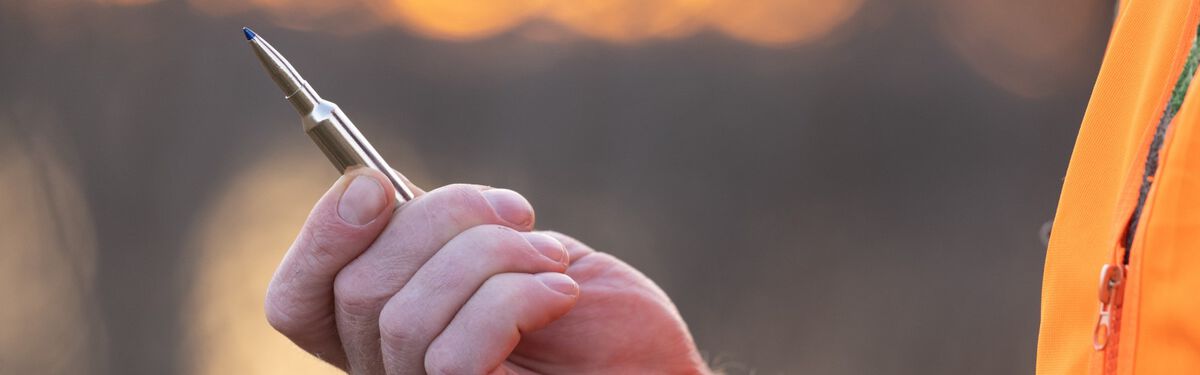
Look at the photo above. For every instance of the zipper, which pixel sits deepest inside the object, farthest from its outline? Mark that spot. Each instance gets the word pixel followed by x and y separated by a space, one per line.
pixel 1112 283
pixel 1178 93
pixel 1108 323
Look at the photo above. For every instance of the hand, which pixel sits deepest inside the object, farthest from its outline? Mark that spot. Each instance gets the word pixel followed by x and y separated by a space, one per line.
pixel 454 282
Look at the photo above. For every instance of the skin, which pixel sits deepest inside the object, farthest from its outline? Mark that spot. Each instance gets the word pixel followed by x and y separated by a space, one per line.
pixel 456 282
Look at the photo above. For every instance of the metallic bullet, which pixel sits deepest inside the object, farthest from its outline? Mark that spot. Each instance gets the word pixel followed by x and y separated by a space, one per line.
pixel 324 122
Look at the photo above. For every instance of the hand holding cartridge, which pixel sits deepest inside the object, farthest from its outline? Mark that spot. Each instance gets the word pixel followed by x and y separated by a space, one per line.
pixel 455 280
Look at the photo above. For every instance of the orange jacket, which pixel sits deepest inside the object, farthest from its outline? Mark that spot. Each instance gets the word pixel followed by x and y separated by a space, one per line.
pixel 1151 323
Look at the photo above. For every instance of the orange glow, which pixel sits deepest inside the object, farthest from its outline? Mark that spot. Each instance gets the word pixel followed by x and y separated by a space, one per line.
pixel 767 23
pixel 462 19
pixel 779 22
pixel 625 21
pixel 1026 47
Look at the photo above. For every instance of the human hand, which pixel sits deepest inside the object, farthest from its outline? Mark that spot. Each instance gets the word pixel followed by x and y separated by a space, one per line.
pixel 454 282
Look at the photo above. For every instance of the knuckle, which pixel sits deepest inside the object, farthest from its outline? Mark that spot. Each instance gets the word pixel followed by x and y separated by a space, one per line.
pixel 322 239
pixel 356 294
pixel 439 362
pixel 320 251
pixel 278 319
pixel 396 328
pixel 281 316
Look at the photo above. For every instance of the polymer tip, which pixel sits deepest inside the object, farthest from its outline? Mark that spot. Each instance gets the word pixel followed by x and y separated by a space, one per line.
pixel 295 90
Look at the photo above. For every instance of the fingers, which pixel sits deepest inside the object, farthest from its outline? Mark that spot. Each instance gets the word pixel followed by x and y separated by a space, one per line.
pixel 417 231
pixel 575 248
pixel 420 311
pixel 486 329
pixel 343 223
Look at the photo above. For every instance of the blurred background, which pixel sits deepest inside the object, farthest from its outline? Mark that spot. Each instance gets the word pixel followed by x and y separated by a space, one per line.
pixel 822 186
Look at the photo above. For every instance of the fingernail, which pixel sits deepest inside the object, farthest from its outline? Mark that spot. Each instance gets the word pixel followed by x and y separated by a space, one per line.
pixel 510 206
pixel 559 283
pixel 362 201
pixel 550 247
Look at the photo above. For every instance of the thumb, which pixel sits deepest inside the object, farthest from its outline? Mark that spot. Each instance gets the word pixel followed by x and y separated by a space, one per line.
pixel 344 222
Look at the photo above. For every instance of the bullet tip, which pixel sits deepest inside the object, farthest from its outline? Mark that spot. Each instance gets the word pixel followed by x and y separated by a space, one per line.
pixel 249 33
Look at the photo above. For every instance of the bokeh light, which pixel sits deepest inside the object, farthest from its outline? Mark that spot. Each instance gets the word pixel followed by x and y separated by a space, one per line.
pixel 48 323
pixel 780 22
pixel 627 21
pixel 240 241
pixel 1022 46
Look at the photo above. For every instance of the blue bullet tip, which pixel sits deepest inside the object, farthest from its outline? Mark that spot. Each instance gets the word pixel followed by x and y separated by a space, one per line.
pixel 249 33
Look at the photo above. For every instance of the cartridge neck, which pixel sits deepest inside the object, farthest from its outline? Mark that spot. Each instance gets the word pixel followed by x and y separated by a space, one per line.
pixel 304 99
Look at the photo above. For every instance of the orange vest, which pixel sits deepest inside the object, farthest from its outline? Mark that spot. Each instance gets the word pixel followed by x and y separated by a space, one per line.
pixel 1151 321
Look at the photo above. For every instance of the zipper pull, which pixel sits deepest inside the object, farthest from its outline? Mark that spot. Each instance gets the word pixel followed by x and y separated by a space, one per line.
pixel 1111 277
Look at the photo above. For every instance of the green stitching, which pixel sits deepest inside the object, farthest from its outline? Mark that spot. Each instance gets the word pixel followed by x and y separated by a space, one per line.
pixel 1185 77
